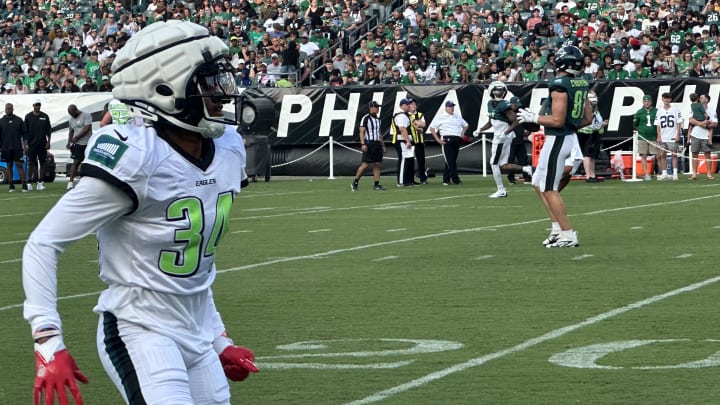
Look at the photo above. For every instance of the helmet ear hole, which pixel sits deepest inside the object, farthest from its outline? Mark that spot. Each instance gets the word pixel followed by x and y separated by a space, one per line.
pixel 164 90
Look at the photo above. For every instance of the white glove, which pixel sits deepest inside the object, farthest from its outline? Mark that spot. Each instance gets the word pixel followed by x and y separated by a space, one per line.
pixel 527 116
pixel 476 133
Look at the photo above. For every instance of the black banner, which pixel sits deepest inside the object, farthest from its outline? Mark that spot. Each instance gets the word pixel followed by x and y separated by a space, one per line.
pixel 300 117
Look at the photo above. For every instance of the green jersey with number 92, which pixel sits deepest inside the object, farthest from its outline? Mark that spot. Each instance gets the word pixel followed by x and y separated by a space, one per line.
pixel 577 90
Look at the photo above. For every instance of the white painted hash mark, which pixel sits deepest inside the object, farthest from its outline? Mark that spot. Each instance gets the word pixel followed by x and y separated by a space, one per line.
pixel 684 256
pixel 478 361
pixel 320 230
pixel 483 257
pixel 582 257
pixel 381 259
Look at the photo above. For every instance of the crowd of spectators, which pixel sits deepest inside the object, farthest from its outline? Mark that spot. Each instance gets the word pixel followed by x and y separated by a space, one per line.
pixel 59 46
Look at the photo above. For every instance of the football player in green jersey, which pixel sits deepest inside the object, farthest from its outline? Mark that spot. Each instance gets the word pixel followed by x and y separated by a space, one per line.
pixel 566 110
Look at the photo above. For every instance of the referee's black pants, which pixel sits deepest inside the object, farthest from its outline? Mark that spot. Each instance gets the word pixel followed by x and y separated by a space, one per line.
pixel 420 161
pixel 405 166
pixel 451 149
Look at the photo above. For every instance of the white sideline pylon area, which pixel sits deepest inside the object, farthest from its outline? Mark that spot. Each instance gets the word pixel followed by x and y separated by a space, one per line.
pixel 332 157
pixel 634 177
pixel 484 154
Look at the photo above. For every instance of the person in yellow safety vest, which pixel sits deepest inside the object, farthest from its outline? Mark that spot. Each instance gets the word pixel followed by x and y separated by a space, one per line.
pixel 589 138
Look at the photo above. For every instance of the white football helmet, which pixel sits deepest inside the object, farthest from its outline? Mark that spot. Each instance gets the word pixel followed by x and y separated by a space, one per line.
pixel 119 112
pixel 498 90
pixel 165 70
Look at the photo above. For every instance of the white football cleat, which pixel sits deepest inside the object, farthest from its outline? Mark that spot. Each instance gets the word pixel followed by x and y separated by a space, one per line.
pixel 552 238
pixel 70 185
pixel 498 194
pixel 565 241
pixel 40 186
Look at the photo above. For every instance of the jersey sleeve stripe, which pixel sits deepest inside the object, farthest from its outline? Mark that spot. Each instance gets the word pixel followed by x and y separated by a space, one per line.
pixel 94 171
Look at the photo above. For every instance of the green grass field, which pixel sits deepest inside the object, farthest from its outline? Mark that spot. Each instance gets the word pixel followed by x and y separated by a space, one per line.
pixel 431 295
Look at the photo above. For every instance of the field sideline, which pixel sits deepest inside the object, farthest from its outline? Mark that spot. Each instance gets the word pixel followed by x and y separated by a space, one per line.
pixel 431 294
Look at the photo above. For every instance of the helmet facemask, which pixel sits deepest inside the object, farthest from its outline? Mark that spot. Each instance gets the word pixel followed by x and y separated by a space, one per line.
pixel 213 80
pixel 498 90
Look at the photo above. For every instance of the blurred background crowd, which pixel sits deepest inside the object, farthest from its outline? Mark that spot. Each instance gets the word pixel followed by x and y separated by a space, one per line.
pixel 58 46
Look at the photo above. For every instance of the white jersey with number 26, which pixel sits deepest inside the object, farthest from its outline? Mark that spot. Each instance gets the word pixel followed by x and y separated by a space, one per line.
pixel 668 120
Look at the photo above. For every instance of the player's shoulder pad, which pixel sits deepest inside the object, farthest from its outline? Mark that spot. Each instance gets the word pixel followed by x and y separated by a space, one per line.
pixel 231 139
pixel 114 144
pixel 560 84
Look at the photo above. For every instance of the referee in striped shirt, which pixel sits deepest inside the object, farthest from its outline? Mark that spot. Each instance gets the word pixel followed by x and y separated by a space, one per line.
pixel 371 145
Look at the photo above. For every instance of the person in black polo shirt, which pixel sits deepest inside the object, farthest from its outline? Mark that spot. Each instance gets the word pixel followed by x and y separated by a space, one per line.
pixel 13 144
pixel 38 129
pixel 371 145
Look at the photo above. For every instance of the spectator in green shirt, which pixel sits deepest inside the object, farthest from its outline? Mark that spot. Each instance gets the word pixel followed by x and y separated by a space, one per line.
pixel 528 75
pixel 31 79
pixel 617 72
pixel 644 124
pixel 92 66
pixel 467 62
pixel 640 72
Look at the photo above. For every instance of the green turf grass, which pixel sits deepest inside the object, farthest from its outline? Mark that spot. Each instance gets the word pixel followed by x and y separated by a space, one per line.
pixel 360 276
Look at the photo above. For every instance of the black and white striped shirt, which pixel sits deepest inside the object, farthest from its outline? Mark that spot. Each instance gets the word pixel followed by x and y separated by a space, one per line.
pixel 372 128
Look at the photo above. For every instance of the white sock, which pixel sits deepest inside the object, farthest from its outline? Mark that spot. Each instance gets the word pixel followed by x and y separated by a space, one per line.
pixel 664 173
pixel 556 227
pixel 674 171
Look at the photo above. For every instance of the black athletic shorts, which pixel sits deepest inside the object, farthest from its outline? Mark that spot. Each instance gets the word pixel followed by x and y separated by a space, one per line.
pixel 590 144
pixel 374 152
pixel 12 155
pixel 37 152
pixel 77 152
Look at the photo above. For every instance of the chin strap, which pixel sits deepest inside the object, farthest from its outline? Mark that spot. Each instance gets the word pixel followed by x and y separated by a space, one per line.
pixel 208 129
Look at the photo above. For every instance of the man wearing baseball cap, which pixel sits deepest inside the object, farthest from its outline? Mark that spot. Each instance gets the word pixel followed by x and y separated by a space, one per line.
pixel 371 145
pixel 399 128
pixel 448 129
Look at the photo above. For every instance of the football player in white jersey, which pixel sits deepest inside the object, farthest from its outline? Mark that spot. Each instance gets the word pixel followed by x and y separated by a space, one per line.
pixel 159 199
pixel 668 123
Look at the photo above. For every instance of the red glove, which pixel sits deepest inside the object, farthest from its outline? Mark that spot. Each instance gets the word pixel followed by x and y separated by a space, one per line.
pixel 56 370
pixel 465 139
pixel 237 362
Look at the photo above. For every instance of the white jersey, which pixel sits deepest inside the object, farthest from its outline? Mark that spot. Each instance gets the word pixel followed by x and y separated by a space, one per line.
pixel 499 127
pixel 170 236
pixel 158 214
pixel 669 123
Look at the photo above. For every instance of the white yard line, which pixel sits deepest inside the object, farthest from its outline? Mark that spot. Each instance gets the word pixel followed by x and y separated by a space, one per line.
pixel 478 361
pixel 21 214
pixel 373 206
pixel 382 259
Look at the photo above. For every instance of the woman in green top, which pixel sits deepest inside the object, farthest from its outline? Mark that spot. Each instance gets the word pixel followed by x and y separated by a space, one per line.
pixel 684 64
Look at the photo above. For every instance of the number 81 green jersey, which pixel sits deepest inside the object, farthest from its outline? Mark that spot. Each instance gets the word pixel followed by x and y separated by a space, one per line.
pixel 577 90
